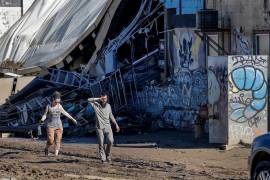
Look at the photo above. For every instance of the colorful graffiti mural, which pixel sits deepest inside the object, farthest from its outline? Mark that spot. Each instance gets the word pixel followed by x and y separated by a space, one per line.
pixel 178 102
pixel 218 99
pixel 251 79
pixel 247 96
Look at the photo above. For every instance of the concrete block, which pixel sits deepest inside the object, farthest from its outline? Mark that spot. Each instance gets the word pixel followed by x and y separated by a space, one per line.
pixel 23 81
pixel 5 90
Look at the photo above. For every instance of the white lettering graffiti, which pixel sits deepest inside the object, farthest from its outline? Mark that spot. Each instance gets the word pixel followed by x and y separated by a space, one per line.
pixel 243 133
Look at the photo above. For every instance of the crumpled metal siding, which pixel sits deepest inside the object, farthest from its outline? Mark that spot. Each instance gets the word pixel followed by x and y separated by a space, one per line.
pixel 48 31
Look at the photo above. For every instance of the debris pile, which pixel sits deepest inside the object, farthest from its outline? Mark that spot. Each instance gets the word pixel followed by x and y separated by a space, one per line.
pixel 120 58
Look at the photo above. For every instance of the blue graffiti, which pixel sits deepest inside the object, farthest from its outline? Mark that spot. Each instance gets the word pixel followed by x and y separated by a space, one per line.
pixel 179 119
pixel 187 92
pixel 184 82
pixel 250 79
pixel 185 52
pixel 199 91
pixel 191 88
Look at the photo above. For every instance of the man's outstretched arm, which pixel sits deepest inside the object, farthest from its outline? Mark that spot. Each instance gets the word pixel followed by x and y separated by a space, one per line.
pixel 92 100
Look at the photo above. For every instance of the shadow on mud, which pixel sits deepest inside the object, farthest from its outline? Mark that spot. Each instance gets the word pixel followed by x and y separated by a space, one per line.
pixel 167 139
pixel 8 153
pixel 53 161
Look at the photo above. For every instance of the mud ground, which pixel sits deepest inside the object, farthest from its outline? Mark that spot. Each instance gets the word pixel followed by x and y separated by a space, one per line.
pixel 162 155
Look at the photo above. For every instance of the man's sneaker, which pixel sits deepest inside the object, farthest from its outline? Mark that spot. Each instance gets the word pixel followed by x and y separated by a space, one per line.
pixel 103 161
pixel 46 152
pixel 109 160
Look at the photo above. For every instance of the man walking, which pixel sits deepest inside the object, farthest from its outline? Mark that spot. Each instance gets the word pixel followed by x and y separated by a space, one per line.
pixel 103 126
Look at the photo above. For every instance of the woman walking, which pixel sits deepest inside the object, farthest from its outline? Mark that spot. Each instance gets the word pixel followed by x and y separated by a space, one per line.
pixel 54 124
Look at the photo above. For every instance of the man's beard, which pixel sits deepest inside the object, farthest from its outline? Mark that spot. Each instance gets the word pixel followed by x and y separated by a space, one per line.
pixel 103 104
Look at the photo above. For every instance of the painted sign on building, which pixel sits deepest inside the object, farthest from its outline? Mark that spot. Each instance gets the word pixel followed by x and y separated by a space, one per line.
pixel 11 12
pixel 8 16
pixel 247 98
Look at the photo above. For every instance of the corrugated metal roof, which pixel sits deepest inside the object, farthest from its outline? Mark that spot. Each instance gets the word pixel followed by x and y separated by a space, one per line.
pixel 50 30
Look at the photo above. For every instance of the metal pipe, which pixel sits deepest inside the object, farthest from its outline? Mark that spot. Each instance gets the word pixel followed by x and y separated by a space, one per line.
pixel 135 85
pixel 123 86
pixel 116 81
pixel 145 57
pixel 112 93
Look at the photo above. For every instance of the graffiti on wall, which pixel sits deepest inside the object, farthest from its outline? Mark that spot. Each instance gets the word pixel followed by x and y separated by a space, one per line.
pixel 178 102
pixel 175 108
pixel 241 45
pixel 249 83
pixel 217 99
pixel 241 132
pixel 248 93
pixel 191 87
pixel 8 16
pixel 187 50
pixel 258 61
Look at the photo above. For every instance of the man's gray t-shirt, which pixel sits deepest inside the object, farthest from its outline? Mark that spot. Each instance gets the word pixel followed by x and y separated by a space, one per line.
pixel 103 114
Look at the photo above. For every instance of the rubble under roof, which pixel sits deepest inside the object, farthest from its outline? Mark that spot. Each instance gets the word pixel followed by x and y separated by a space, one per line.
pixel 120 58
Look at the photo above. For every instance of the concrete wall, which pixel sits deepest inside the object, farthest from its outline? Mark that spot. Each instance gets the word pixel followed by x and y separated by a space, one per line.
pixel 242 17
pixel 22 82
pixel 247 97
pixel 178 102
pixel 218 99
pixel 7 83
pixel 237 96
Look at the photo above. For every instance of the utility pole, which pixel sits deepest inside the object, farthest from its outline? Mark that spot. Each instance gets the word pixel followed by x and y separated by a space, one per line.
pixel 22 7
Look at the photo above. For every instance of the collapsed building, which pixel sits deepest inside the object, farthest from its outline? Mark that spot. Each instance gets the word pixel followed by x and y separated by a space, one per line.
pixel 73 47
pixel 164 63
